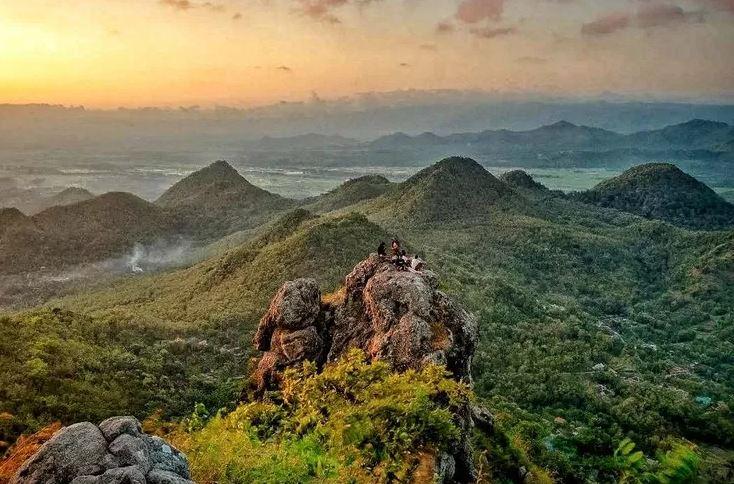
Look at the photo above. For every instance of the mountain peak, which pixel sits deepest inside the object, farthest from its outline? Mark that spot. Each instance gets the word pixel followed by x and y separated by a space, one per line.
pixel 221 167
pixel 701 124
pixel 457 163
pixel 10 216
pixel 455 188
pixel 521 179
pixel 207 181
pixel 217 200
pixel 350 192
pixel 663 191
pixel 562 124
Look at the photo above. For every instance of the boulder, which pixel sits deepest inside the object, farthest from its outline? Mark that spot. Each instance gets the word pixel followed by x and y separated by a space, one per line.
pixel 157 476
pixel 115 452
pixel 73 451
pixel 131 451
pixel 115 426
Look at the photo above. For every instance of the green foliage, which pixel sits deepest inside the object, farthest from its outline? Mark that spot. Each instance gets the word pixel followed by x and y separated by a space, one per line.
pixel 678 465
pixel 354 420
pixel 559 289
pixel 662 191
pixel 61 365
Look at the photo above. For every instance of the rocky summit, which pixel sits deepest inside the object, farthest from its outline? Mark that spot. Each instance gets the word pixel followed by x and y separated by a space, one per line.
pixel 115 451
pixel 393 315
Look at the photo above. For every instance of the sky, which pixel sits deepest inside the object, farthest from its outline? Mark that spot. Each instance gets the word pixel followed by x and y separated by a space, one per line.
pixel 133 53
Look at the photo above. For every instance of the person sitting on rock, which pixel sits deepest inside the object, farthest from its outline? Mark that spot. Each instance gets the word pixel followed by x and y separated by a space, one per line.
pixel 416 264
pixel 395 245
pixel 381 249
pixel 401 261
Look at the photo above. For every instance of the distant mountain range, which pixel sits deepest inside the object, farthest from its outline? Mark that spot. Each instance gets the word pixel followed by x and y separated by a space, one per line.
pixel 561 144
pixel 364 117
pixel 693 135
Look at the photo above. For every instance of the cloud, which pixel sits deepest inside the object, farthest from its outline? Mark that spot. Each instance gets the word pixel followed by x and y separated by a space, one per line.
pixel 657 14
pixel 490 33
pixel 721 5
pixel 185 5
pixel 284 69
pixel 214 7
pixel 531 60
pixel 323 10
pixel 445 27
pixel 647 16
pixel 178 4
pixel 474 11
pixel 607 24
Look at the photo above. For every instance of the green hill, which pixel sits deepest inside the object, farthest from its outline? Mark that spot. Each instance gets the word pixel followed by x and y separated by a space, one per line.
pixel 105 226
pixel 68 196
pixel 662 191
pixel 217 200
pixel 453 190
pixel 521 180
pixel 348 193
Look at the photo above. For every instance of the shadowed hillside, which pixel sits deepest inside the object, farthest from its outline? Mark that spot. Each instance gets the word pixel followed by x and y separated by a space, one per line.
pixel 454 189
pixel 217 200
pixel 662 191
pixel 350 192
pixel 521 180
pixel 95 229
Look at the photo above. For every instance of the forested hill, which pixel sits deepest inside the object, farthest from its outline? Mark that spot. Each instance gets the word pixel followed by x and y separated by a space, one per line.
pixel 595 325
pixel 662 191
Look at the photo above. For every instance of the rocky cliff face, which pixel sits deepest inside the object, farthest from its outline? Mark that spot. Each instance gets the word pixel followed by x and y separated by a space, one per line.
pixel 116 451
pixel 393 315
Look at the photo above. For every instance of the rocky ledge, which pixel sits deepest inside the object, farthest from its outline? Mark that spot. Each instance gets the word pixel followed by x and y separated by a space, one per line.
pixel 115 452
pixel 393 315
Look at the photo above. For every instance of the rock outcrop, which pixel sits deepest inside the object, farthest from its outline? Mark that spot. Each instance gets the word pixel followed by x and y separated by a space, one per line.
pixel 116 451
pixel 393 315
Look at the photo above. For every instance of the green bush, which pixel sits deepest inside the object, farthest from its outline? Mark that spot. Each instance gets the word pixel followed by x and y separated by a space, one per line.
pixel 354 421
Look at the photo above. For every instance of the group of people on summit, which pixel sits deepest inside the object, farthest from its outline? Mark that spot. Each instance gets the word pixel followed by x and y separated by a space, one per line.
pixel 400 258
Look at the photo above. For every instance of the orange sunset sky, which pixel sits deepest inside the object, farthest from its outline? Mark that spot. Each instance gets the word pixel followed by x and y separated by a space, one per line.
pixel 109 53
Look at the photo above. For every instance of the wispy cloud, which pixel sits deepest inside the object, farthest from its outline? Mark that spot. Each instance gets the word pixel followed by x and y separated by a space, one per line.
pixel 490 33
pixel 178 4
pixel 719 5
pixel 646 16
pixel 531 60
pixel 473 11
pixel 606 24
pixel 662 14
pixel 184 5
pixel 323 10
pixel 445 27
